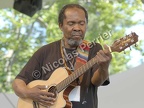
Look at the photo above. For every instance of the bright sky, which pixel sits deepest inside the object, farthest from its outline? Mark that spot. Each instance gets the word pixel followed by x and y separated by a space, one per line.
pixel 136 57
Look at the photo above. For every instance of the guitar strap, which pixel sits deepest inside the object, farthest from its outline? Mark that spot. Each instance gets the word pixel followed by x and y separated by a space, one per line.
pixel 82 58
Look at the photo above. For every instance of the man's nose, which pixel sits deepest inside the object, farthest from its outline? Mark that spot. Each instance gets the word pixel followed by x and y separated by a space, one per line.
pixel 77 27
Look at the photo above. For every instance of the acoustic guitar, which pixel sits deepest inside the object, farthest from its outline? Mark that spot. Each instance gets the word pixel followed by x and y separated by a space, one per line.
pixel 60 84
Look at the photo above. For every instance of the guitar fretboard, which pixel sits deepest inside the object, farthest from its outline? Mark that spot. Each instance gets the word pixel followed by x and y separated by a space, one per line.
pixel 80 71
pixel 117 46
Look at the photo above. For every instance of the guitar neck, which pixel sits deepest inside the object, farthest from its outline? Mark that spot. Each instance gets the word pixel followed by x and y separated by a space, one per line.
pixel 80 71
pixel 118 46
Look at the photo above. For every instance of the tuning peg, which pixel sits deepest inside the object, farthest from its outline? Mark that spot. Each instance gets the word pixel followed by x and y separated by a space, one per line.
pixel 124 52
pixel 126 35
pixel 126 44
pixel 130 48
pixel 136 45
pixel 132 40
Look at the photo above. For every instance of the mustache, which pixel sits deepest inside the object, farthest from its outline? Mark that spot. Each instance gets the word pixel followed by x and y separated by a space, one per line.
pixel 76 33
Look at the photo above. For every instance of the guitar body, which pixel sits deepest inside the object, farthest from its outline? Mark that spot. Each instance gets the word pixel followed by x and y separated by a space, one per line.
pixel 57 76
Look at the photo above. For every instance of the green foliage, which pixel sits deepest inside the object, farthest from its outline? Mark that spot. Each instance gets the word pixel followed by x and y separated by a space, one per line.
pixel 21 36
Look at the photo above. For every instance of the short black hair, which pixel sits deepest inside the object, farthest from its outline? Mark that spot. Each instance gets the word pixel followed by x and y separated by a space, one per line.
pixel 62 12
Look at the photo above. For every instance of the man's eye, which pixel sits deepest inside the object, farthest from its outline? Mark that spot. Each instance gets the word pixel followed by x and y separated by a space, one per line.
pixel 81 23
pixel 70 23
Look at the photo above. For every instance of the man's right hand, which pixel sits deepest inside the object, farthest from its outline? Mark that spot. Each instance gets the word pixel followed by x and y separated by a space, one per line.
pixel 38 93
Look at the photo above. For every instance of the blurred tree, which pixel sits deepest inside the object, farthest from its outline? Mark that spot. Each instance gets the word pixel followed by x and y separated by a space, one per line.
pixel 21 36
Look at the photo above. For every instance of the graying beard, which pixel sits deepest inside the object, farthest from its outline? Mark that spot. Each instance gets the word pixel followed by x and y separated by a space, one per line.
pixel 74 43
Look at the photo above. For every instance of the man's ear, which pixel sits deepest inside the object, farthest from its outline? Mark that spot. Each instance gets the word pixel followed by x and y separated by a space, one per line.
pixel 60 26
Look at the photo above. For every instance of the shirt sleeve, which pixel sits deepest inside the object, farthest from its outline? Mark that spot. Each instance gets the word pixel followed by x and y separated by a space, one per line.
pixel 93 51
pixel 32 70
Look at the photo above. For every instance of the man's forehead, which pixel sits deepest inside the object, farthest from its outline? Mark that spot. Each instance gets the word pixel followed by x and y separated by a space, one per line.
pixel 73 9
pixel 71 13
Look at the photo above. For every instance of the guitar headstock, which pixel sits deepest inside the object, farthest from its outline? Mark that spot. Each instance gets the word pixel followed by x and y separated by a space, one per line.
pixel 124 42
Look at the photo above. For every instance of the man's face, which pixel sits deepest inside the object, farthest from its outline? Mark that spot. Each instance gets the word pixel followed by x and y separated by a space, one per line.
pixel 73 27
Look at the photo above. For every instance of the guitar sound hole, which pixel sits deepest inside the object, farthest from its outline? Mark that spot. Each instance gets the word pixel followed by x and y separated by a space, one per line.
pixel 53 90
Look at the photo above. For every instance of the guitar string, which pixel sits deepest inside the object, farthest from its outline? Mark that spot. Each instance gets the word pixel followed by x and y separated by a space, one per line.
pixel 63 51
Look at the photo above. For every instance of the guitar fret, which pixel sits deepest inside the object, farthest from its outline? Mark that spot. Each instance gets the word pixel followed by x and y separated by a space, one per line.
pixel 75 74
pixel 85 68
